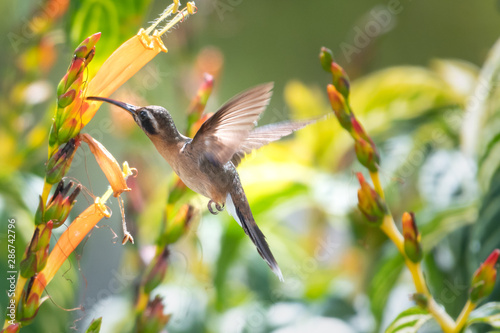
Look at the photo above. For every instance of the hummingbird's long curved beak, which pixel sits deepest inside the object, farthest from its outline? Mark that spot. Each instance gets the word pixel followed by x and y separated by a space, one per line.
pixel 128 107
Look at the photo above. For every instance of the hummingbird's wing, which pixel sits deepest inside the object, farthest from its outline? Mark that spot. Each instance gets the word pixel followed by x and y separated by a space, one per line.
pixel 222 134
pixel 263 135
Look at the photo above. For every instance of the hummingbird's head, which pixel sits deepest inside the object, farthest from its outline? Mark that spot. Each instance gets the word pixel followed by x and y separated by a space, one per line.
pixel 154 120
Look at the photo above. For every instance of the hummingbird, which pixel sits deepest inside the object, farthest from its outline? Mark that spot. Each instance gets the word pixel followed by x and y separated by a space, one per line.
pixel 207 162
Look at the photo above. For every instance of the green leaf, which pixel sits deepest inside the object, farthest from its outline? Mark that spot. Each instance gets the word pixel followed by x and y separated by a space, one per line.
pixel 489 313
pixel 95 326
pixel 409 321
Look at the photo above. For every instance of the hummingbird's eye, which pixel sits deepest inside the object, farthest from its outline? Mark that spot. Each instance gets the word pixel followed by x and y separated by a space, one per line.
pixel 143 114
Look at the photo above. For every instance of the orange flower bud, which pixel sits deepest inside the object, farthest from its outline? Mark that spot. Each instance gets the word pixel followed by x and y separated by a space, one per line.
pixel 339 107
pixel 370 203
pixel 413 249
pixel 483 280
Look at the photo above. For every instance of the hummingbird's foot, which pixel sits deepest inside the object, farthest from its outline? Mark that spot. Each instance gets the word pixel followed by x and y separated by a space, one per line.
pixel 218 208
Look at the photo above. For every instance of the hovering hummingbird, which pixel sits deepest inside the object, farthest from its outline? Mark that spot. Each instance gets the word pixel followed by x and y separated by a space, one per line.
pixel 207 163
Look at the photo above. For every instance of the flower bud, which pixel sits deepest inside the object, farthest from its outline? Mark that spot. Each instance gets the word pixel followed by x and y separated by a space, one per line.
pixel 153 320
pixel 156 272
pixel 366 151
pixel 339 107
pixel 198 104
pixel 326 59
pixel 36 254
pixel 420 299
pixel 60 162
pixel 177 226
pixel 30 301
pixel 85 48
pixel 12 328
pixel 340 80
pixel 483 280
pixel 74 71
pixel 413 249
pixel 40 211
pixel 66 99
pixel 370 203
pixel 60 204
pixel 366 155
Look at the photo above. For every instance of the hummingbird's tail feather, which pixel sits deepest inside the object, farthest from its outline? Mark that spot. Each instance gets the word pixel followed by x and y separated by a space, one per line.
pixel 240 211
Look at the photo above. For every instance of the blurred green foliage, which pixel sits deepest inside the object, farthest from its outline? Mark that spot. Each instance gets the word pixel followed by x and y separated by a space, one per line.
pixel 435 122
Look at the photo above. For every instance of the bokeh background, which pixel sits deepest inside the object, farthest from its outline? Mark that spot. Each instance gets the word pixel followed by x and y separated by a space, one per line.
pixel 416 72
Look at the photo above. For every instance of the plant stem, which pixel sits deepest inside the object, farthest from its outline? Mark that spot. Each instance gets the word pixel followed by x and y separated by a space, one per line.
pixel 418 277
pixel 464 315
pixel 389 228
pixel 376 183
pixel 45 193
pixel 444 320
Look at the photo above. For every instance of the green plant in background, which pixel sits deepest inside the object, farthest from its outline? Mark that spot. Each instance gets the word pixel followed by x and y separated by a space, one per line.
pixel 373 206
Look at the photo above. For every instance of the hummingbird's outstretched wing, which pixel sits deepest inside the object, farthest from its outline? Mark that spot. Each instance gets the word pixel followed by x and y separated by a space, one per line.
pixel 263 135
pixel 222 134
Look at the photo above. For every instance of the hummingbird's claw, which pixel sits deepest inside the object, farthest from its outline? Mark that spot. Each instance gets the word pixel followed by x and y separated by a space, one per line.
pixel 218 208
pixel 210 209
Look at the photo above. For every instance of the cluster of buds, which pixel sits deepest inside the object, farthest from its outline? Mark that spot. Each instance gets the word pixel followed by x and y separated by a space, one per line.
pixel 412 247
pixel 338 94
pixel 37 251
pixel 153 319
pixel 59 205
pixel 370 203
pixel 483 280
pixel 70 100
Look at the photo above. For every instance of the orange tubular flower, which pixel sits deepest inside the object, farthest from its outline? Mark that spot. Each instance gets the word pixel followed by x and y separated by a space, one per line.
pixel 70 239
pixel 130 57
pixel 108 165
